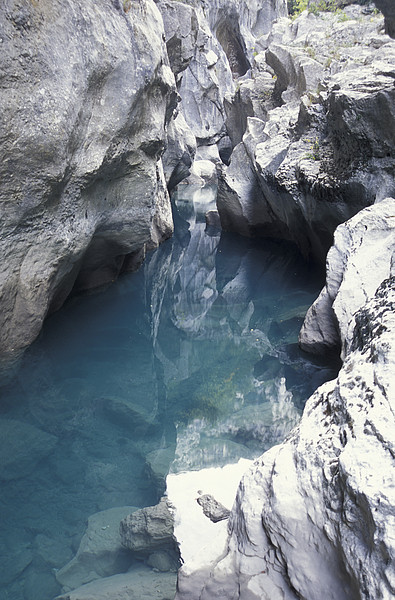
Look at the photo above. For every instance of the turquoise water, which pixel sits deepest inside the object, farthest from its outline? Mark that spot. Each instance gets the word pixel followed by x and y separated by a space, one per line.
pixel 191 362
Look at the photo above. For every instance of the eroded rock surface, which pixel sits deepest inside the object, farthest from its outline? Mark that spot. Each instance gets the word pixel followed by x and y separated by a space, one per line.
pixel 317 148
pixel 314 517
pixel 86 91
pixel 361 257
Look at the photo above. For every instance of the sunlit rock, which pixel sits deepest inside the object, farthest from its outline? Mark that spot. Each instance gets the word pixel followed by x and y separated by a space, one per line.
pixel 361 257
pixel 140 583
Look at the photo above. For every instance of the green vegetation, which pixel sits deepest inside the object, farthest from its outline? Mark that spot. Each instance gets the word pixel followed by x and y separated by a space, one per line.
pixel 295 7
pixel 315 149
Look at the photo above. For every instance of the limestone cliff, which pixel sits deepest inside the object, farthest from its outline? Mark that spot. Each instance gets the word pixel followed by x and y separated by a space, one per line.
pixel 316 141
pixel 315 516
pixel 86 91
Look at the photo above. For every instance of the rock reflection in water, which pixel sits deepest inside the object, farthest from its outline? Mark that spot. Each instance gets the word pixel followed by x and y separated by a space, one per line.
pixel 192 362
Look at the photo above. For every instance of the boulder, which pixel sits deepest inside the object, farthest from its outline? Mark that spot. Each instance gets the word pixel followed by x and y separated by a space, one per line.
pixel 100 552
pixel 150 529
pixel 213 509
pixel 361 257
pixel 86 94
pixel 322 150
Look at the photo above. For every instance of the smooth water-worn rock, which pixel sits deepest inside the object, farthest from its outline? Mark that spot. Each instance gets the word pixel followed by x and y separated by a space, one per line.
pixel 209 45
pixel 315 516
pixel 362 256
pixel 180 151
pixel 140 583
pixel 321 149
pixel 86 92
pixel 100 552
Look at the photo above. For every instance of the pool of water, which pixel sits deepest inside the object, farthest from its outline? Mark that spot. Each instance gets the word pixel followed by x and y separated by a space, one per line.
pixel 191 362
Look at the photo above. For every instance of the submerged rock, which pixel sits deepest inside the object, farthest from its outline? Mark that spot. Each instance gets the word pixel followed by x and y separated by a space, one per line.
pixel 314 517
pixel 22 446
pixel 86 93
pixel 150 529
pixel 100 552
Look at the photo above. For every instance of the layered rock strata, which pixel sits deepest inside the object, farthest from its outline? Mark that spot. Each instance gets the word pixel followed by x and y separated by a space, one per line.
pixel 315 516
pixel 86 92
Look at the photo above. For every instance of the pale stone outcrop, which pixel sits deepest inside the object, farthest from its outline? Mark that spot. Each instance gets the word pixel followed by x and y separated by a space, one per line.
pixel 86 92
pixel 22 446
pixel 314 517
pixel 362 256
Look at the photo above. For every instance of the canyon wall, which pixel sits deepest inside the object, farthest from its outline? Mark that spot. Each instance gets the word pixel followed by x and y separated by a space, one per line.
pixel 314 517
pixel 317 142
pixel 86 92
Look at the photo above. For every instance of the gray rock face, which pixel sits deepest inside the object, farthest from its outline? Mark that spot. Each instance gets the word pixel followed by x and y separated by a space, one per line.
pixel 361 257
pixel 22 446
pixel 180 151
pixel 85 95
pixel 140 583
pixel 314 517
pixel 320 149
pixel 149 529
pixel 210 45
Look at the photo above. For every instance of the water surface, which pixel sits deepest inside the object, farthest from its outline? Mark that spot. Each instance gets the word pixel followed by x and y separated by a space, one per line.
pixel 189 363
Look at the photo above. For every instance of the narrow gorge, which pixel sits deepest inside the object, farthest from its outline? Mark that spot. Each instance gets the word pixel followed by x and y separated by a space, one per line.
pixel 197 327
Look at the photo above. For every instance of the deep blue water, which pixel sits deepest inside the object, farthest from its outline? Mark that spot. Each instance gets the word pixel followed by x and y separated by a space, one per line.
pixel 190 362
